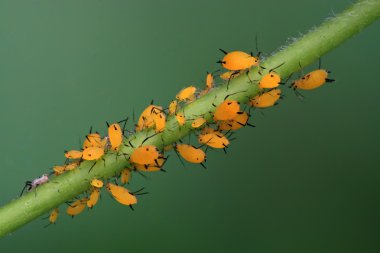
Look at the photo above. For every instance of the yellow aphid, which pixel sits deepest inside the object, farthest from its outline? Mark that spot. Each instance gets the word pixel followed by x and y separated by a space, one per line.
pixel 228 75
pixel 71 166
pixel 53 216
pixel 227 110
pixel 266 99
pixel 180 118
pixel 156 166
pixel 125 175
pixel 93 153
pixel 173 107
pixel 191 153
pixel 146 119
pixel 73 154
pixel 186 94
pixel 270 81
pixel 238 60
pixel 198 122
pixel 209 81
pixel 97 183
pixel 94 140
pixel 234 124
pixel 214 140
pixel 115 135
pixel 121 194
pixel 58 170
pixel 147 154
pixel 159 121
pixel 312 80
pixel 94 197
pixel 76 207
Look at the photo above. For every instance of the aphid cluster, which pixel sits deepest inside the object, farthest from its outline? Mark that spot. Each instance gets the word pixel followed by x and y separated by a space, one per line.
pixel 211 132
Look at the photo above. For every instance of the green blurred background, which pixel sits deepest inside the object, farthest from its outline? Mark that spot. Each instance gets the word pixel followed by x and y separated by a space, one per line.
pixel 306 179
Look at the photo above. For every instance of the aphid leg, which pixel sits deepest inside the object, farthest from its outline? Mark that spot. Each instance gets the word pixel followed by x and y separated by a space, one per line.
pixel 91 167
pixel 131 207
pixel 203 165
pixel 27 184
pixel 329 80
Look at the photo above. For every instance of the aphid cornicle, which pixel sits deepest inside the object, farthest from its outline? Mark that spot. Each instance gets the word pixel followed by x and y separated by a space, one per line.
pixel 266 99
pixel 186 94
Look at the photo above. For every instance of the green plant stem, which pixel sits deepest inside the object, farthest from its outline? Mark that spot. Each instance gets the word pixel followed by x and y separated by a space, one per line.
pixel 305 50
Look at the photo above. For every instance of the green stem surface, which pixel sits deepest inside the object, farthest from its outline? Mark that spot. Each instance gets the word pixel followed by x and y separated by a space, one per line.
pixel 305 50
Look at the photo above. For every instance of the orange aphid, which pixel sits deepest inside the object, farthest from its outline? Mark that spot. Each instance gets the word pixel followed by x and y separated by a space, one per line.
pixel 53 216
pixel 228 75
pixel 146 119
pixel 58 170
pixel 198 122
pixel 97 183
pixel 266 99
pixel 73 154
pixel 214 140
pixel 191 153
pixel 270 81
pixel 159 121
pixel 71 166
pixel 94 197
pixel 173 107
pixel 312 80
pixel 153 166
pixel 93 153
pixel 147 154
pixel 238 60
pixel 186 94
pixel 94 140
pixel 125 175
pixel 180 118
pixel 76 207
pixel 227 110
pixel 115 135
pixel 209 81
pixel 122 195
pixel 234 124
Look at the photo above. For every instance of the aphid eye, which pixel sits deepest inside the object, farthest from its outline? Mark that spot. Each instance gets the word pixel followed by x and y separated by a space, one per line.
pixel 229 103
pixel 115 127
pixel 272 75
pixel 147 149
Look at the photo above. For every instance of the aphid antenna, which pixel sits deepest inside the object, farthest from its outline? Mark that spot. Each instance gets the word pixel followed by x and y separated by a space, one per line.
pixel 276 67
pixel 234 94
pixel 329 80
pixel 91 167
pixel 108 125
pixel 223 51
pixel 204 166
pixel 147 138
